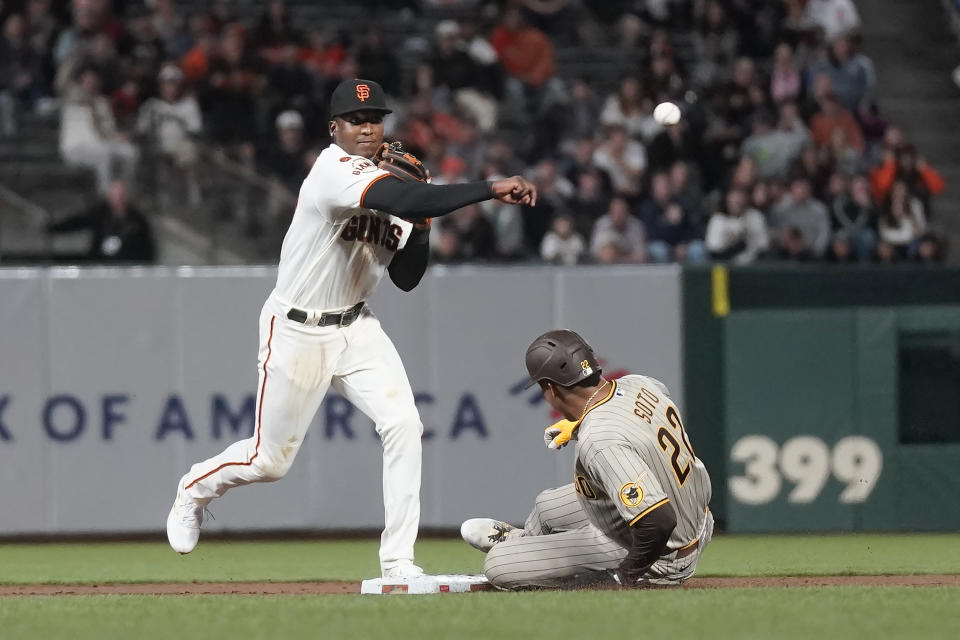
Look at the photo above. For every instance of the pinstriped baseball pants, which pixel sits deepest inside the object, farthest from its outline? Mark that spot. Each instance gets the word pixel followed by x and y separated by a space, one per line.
pixel 560 548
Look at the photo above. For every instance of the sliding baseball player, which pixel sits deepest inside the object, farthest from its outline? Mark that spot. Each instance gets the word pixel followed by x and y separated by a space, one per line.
pixel 636 512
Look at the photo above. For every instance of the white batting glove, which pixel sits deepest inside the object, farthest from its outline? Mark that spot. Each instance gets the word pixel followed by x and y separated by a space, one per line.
pixel 558 435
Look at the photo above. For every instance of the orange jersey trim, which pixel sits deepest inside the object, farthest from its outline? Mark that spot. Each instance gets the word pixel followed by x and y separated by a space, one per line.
pixel 370 184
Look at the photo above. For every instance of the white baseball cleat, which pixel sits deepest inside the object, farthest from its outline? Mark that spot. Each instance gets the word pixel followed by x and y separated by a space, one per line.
pixel 483 533
pixel 183 523
pixel 405 570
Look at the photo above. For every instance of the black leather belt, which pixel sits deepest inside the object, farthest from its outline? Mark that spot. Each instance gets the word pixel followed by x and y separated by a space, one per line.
pixel 344 319
pixel 683 552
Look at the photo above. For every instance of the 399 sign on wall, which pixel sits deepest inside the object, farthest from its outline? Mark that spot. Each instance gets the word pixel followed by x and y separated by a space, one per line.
pixel 801 467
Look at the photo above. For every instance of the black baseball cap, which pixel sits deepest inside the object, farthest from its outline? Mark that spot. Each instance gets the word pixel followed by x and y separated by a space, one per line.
pixel 358 95
pixel 562 357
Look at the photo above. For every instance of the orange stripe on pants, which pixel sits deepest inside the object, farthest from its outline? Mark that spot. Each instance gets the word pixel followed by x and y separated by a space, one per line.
pixel 263 388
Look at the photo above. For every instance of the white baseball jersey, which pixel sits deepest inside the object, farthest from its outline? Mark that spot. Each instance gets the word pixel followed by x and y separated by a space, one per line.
pixel 336 251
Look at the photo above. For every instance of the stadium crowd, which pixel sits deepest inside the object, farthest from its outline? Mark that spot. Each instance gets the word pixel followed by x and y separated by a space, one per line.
pixel 782 152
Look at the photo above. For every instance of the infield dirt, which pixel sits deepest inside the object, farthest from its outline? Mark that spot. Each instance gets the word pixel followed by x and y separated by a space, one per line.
pixel 344 588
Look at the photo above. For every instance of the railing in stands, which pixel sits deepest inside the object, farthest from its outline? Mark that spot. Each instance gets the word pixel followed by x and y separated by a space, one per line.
pixel 22 220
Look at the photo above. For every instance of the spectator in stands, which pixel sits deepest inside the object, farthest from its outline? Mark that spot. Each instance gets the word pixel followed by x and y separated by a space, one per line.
pixel 26 72
pixel 671 234
pixel 167 23
pixel 930 248
pixel 290 82
pixel 590 200
pixel 786 81
pixel 229 97
pixel 814 163
pixel 142 49
pixel 88 19
pixel 905 165
pixel 728 120
pixel 323 55
pixel 377 62
pixel 562 244
pixel 775 149
pixel 21 72
pixel 88 131
pixel 834 17
pixel 841 154
pixel 473 86
pixel 558 18
pixel 630 30
pixel 737 232
pixel 715 44
pixel 626 108
pixel 285 159
pixel 671 144
pixel 583 110
pixel 172 122
pixel 427 130
pixel 527 55
pixel 851 74
pixel 195 62
pixel 663 81
pixel 841 249
pixel 476 236
pixel 119 232
pixel 901 224
pixel 618 236
pixel 744 174
pixel 444 243
pixel 275 31
pixel 43 27
pixel 832 115
pixel 554 193
pixel 685 186
pixel 800 222
pixel 623 159
pixel 507 220
pixel 760 197
pixel 853 217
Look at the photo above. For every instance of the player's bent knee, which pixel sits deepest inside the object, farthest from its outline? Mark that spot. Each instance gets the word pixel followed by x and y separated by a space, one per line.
pixel 495 570
pixel 272 467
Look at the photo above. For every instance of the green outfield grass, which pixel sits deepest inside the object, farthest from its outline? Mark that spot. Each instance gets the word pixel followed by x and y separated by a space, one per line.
pixel 823 613
pixel 847 554
pixel 847 613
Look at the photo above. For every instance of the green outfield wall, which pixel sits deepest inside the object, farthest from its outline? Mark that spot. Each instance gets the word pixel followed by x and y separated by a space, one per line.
pixel 826 398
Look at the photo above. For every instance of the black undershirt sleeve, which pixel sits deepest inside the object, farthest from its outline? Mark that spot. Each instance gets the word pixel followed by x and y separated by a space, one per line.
pixel 417 200
pixel 650 536
pixel 409 263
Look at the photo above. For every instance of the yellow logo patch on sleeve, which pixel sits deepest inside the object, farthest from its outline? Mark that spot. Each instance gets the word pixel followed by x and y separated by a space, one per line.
pixel 631 494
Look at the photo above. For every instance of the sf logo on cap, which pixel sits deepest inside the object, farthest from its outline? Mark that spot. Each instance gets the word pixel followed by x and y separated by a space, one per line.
pixel 363 92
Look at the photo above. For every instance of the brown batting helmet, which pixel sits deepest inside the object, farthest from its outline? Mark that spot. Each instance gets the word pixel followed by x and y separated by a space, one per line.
pixel 562 357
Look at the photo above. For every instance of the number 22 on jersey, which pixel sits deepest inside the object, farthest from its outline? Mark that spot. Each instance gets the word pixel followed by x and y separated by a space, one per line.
pixel 667 439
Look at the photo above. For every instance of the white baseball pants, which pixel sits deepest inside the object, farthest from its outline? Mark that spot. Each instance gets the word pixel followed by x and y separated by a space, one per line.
pixel 297 364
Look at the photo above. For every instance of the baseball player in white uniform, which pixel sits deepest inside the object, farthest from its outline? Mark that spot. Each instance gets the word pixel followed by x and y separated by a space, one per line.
pixel 636 512
pixel 353 221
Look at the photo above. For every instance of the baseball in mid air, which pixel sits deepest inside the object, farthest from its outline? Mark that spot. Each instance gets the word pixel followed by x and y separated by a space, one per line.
pixel 667 113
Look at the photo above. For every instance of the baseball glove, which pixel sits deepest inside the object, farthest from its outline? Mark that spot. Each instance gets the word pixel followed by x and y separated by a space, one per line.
pixel 405 166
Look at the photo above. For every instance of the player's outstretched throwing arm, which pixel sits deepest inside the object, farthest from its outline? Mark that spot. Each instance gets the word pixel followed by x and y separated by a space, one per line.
pixel 418 201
